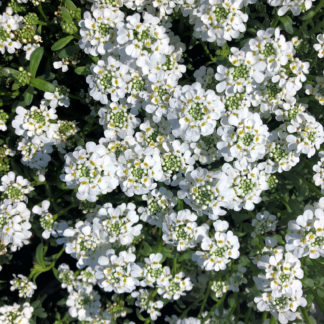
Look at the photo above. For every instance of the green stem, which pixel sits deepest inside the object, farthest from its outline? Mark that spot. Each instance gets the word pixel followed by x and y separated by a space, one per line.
pixel 204 301
pixel 273 320
pixel 305 315
pixel 211 312
pixel 41 11
pixel 264 316
pixel 174 266
pixel 208 52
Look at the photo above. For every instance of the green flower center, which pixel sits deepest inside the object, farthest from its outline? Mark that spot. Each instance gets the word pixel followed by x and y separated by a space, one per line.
pixel 106 80
pixel 174 286
pixel 119 118
pixel 47 221
pixel 38 117
pixel 154 207
pixel 220 251
pixel 138 85
pixel 104 29
pixel 278 153
pixel 247 139
pixel 269 50
pixel 144 36
pixel 203 196
pixel 246 185
pixel 84 171
pixel 240 72
pixel 272 90
pixel 234 102
pixel 221 13
pixel 182 234
pixel 171 163
pixel 14 193
pixel 197 111
pixel 138 173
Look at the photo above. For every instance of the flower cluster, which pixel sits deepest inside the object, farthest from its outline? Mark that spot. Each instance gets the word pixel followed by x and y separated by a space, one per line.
pixel 279 282
pixel 306 234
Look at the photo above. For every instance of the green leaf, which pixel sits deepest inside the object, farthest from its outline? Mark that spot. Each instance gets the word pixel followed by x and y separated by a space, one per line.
pixel 35 59
pixel 68 51
pixel 82 70
pixel 7 71
pixel 15 86
pixel 61 43
pixel 309 15
pixel 287 23
pixel 40 255
pixel 28 96
pixel 66 15
pixel 70 5
pixel 42 85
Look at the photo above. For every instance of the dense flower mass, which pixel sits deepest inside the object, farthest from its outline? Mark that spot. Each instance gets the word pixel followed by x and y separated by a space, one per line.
pixel 161 161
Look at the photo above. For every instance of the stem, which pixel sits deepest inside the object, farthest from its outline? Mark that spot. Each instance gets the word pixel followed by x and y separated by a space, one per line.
pixel 219 303
pixel 204 301
pixel 208 52
pixel 264 316
pixel 273 320
pixel 41 11
pixel 174 266
pixel 305 316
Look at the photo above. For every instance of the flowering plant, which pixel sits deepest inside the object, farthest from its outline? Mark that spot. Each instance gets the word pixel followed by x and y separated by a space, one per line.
pixel 161 161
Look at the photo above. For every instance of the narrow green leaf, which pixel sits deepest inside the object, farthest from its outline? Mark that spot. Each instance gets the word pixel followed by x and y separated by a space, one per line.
pixel 70 5
pixel 66 15
pixel 7 71
pixel 61 43
pixel 40 255
pixel 35 59
pixel 287 23
pixel 28 96
pixel 42 85
pixel 82 70
pixel 68 51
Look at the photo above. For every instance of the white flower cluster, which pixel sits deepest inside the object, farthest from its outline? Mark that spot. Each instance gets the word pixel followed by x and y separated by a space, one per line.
pixel 18 32
pixel 219 249
pixel 306 234
pixel 40 130
pixel 280 284
pixel 319 172
pixel 83 301
pixel 316 89
pixel 3 119
pixel 46 218
pixel 219 287
pixel 16 314
pixel 25 287
pixel 264 222
pixel 295 6
pixel 216 20
pixel 14 224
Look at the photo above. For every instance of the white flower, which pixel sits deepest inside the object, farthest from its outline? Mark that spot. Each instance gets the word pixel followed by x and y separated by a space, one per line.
pixel 15 188
pixel 118 273
pixel 46 218
pixel 14 224
pixel 305 236
pixel 319 47
pixel 218 250
pixel 194 112
pixel 25 287
pixel 181 230
pixel 92 170
pixel 16 314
